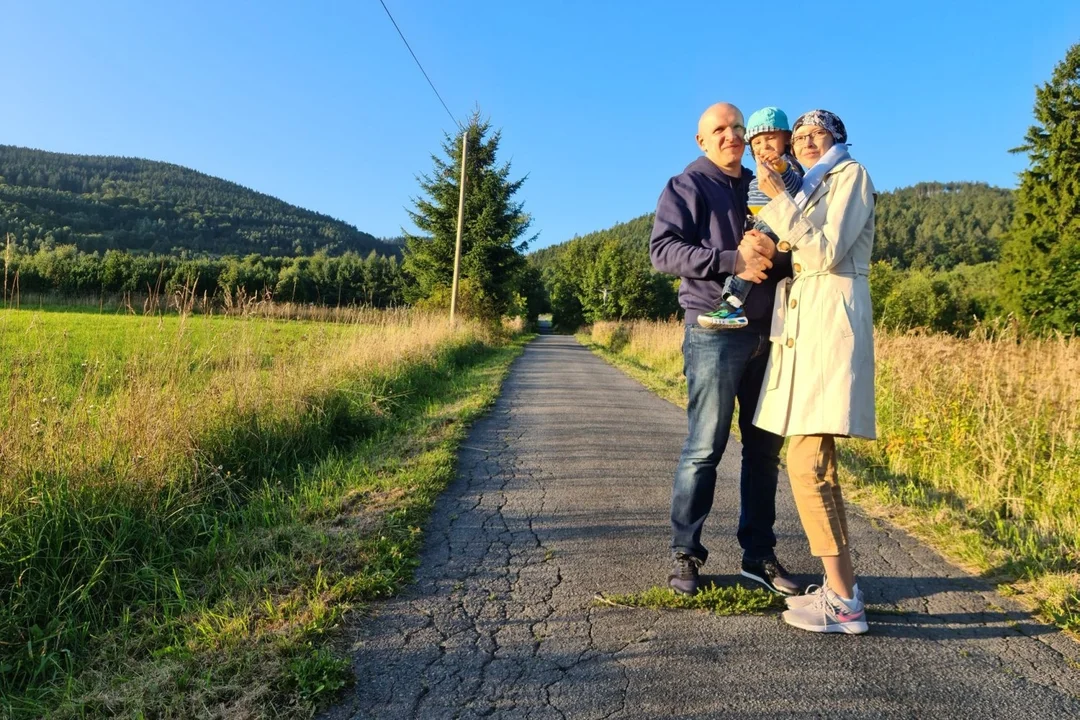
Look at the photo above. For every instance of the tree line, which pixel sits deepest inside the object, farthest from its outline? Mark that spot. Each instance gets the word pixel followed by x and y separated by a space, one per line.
pixel 938 241
pixel 605 275
pixel 347 279
pixel 100 203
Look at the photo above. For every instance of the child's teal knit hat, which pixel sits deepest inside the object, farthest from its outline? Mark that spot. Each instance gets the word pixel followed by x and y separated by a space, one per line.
pixel 767 119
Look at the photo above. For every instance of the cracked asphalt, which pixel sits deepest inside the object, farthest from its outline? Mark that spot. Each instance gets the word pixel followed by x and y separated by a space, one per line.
pixel 563 491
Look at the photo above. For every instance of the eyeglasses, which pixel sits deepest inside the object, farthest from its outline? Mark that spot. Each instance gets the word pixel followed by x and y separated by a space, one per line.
pixel 817 135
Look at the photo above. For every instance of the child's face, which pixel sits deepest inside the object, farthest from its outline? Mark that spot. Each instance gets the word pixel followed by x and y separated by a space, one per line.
pixel 775 141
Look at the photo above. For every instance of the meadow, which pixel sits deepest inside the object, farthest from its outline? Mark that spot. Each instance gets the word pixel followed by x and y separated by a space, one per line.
pixel 190 506
pixel 978 450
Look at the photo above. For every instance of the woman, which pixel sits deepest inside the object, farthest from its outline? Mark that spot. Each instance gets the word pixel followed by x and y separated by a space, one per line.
pixel 819 384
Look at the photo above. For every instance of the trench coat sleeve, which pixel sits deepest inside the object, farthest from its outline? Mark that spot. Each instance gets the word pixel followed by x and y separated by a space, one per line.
pixel 821 248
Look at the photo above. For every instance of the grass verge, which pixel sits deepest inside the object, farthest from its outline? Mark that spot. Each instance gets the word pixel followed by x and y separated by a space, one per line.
pixel 215 596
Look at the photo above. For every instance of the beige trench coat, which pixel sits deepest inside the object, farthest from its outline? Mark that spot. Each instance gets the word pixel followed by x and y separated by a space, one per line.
pixel 820 377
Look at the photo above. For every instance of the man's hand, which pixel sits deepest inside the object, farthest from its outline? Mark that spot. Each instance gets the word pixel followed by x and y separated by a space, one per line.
pixel 750 264
pixel 761 243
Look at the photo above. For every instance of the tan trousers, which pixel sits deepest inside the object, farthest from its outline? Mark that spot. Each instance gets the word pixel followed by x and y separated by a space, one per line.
pixel 811 467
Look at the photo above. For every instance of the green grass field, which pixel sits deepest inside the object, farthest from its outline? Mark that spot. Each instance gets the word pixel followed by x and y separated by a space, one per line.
pixel 189 506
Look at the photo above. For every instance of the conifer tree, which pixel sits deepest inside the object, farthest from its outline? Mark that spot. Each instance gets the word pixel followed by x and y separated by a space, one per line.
pixel 1041 257
pixel 492 260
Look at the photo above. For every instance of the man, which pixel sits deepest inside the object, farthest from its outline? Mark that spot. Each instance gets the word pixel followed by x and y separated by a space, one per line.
pixel 697 235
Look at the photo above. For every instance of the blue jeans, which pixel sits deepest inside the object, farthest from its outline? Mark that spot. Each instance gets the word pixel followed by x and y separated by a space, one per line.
pixel 722 366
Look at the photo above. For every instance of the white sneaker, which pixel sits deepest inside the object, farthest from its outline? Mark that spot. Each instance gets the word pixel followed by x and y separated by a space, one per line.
pixel 808 595
pixel 827 613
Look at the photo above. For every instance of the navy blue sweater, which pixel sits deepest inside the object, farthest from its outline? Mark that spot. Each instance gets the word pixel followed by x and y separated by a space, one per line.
pixel 699 223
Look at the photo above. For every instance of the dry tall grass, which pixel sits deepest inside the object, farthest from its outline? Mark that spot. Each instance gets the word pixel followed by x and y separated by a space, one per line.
pixel 994 422
pixel 140 420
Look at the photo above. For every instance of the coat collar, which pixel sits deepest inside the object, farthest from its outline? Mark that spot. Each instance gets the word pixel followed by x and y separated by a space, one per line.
pixel 840 165
pixel 824 187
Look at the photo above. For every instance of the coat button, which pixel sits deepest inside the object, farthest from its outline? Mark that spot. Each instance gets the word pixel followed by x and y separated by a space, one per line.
pixel 797 267
pixel 794 303
pixel 791 342
pixel 783 246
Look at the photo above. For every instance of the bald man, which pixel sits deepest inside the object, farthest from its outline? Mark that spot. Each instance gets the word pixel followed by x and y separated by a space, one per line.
pixel 697 235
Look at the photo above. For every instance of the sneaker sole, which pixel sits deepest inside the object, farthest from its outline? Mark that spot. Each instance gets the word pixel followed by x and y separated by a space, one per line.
pixel 762 581
pixel 686 593
pixel 712 324
pixel 679 591
pixel 849 628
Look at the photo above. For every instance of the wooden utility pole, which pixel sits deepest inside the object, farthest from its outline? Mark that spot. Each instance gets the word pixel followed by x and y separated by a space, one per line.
pixel 460 219
pixel 7 259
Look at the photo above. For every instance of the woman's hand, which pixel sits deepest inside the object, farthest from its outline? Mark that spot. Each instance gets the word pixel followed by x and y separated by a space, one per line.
pixel 769 181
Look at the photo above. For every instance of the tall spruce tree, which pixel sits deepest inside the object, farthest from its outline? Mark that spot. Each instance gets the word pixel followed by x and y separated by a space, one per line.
pixel 492 260
pixel 1041 257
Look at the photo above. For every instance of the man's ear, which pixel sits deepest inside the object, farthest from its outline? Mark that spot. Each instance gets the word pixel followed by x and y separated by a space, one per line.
pixel 700 143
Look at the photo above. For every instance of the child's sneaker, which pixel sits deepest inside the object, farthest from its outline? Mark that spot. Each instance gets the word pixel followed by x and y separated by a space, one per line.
pixel 827 613
pixel 726 317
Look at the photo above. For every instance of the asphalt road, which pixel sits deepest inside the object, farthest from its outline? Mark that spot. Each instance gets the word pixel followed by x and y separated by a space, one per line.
pixel 563 491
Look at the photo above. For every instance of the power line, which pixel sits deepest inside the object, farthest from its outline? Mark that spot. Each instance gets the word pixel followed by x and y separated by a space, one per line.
pixel 418 63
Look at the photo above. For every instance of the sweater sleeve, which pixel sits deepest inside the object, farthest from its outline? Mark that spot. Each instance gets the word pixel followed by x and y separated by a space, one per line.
pixel 792 179
pixel 675 247
pixel 850 205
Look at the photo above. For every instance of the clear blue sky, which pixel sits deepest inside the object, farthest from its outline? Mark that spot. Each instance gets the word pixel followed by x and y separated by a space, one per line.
pixel 320 104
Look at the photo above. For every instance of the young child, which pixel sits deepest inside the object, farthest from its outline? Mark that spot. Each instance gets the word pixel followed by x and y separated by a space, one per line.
pixel 769 137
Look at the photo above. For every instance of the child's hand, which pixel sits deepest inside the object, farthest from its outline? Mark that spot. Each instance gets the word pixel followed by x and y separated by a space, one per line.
pixel 769 181
pixel 773 160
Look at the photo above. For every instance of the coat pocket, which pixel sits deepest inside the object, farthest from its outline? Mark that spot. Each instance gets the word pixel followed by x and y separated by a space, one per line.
pixel 779 317
pixel 842 316
pixel 776 354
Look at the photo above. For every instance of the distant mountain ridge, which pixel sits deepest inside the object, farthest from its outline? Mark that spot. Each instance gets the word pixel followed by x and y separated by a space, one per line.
pixel 99 203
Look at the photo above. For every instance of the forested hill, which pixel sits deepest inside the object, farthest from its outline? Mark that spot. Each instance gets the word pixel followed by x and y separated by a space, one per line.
pixel 933 225
pixel 941 225
pixel 99 203
pixel 634 233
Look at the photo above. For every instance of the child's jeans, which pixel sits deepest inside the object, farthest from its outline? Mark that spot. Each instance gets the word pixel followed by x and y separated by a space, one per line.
pixel 736 289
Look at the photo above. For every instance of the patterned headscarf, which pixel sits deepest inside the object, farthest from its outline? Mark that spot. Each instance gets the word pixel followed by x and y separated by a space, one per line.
pixel 823 119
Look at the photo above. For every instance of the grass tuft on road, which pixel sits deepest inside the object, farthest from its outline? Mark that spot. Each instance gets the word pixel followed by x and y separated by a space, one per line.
pixel 717 599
